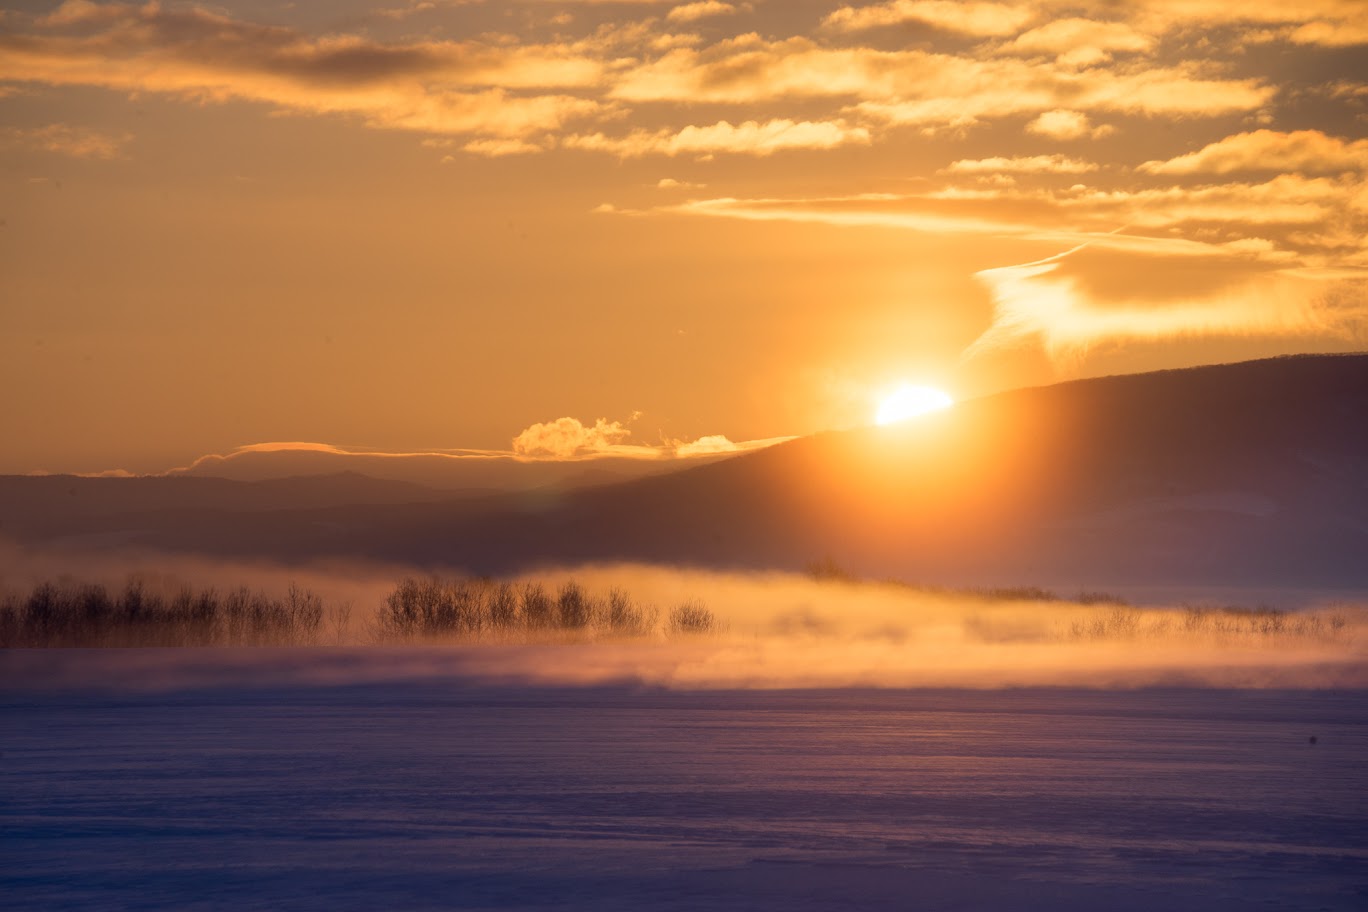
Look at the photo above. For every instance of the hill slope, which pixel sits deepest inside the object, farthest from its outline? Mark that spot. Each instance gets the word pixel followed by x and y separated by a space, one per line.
pixel 1253 473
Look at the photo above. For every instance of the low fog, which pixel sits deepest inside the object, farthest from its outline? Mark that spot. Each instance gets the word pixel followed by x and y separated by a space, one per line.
pixel 766 631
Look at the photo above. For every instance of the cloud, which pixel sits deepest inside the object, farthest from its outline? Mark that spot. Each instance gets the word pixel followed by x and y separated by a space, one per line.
pixel 1162 16
pixel 1037 164
pixel 961 92
pixel 715 443
pixel 566 438
pixel 692 12
pixel 64 139
pixel 916 87
pixel 671 183
pixel 868 209
pixel 1285 199
pixel 73 12
pixel 304 446
pixel 1064 125
pixel 718 444
pixel 569 438
pixel 403 12
pixel 1331 34
pixel 749 138
pixel 430 86
pixel 507 95
pixel 1069 306
pixel 1319 222
pixel 498 148
pixel 562 439
pixel 1269 150
pixel 1081 42
pixel 979 19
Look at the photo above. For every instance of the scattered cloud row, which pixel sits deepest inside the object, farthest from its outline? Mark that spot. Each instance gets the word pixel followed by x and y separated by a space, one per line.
pixel 570 438
pixel 497 89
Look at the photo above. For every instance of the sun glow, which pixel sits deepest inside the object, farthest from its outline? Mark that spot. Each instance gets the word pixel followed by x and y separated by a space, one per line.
pixel 909 401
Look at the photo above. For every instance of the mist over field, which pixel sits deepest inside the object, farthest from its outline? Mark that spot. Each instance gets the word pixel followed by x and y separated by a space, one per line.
pixel 755 630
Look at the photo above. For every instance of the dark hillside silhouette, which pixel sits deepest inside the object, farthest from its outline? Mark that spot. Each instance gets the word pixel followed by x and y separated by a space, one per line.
pixel 1252 473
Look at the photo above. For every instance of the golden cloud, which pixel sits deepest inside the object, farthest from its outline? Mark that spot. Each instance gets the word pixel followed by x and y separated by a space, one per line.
pixel 508 97
pixel 991 89
pixel 68 140
pixel 438 87
pixel 1287 221
pixel 498 148
pixel 692 12
pixel 569 438
pixel 1332 34
pixel 749 138
pixel 1045 303
pixel 1065 125
pixel 976 18
pixel 1169 15
pixel 1081 42
pixel 1038 164
pixel 1269 150
pixel 566 438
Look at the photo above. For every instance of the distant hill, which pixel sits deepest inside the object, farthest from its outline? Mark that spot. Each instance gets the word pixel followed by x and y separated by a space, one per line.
pixel 462 473
pixel 54 505
pixel 1242 474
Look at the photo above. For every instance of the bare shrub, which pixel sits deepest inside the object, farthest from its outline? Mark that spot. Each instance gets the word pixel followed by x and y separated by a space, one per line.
pixel 467 606
pixel 1194 618
pixel 626 618
pixel 303 614
pixel 1013 594
pixel 415 608
pixel 1120 623
pixel 1091 597
pixel 827 570
pixel 537 607
pixel 503 607
pixel 691 618
pixel 573 606
pixel 339 622
pixel 88 616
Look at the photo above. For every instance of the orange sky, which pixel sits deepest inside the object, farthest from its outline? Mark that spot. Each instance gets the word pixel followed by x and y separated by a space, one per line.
pixel 406 226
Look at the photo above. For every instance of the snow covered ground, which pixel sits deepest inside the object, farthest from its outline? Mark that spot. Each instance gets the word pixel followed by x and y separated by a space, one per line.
pixel 284 783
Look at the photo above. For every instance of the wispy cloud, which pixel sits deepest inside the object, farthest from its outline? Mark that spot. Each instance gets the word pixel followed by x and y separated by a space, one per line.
pixel 1058 304
pixel 749 138
pixel 1037 164
pixel 561 440
pixel 704 9
pixel 1269 150
pixel 1288 208
pixel 66 139
pixel 975 18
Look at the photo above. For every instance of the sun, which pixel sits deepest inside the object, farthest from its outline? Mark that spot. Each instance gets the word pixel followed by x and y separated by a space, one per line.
pixel 908 401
